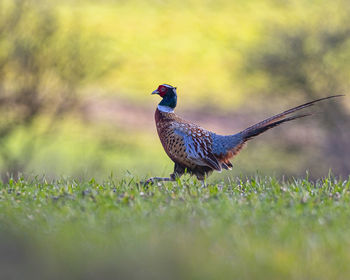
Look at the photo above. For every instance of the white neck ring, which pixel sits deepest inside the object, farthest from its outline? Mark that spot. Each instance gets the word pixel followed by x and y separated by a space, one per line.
pixel 165 109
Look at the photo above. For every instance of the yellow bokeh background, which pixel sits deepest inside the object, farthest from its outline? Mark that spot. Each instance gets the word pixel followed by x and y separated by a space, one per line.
pixel 227 59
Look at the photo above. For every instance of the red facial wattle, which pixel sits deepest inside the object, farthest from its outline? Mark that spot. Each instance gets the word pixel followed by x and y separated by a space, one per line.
pixel 162 90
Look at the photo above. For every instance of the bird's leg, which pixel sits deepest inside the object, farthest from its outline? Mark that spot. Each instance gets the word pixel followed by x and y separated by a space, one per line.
pixel 160 179
pixel 178 172
pixel 202 179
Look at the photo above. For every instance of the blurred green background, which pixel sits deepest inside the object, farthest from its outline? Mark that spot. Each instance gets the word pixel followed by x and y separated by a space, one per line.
pixel 76 78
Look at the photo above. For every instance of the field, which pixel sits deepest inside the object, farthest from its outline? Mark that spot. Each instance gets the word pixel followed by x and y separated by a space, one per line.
pixel 246 228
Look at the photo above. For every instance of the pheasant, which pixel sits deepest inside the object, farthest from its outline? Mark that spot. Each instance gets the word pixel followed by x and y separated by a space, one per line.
pixel 198 151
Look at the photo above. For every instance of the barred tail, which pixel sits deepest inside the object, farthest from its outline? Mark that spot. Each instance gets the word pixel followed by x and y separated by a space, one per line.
pixel 278 119
pixel 249 134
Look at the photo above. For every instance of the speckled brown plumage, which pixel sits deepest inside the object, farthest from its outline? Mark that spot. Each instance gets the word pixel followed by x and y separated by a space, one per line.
pixel 171 130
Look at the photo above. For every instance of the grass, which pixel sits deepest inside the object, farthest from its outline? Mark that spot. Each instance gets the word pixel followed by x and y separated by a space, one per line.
pixel 258 227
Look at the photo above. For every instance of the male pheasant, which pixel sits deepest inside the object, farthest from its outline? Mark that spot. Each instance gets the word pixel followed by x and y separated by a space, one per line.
pixel 198 151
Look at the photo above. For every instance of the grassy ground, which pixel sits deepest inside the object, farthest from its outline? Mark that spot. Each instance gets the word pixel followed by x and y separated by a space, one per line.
pixel 249 228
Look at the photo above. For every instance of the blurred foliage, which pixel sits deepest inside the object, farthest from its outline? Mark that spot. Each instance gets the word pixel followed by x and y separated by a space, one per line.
pixel 42 65
pixel 222 55
pixel 309 60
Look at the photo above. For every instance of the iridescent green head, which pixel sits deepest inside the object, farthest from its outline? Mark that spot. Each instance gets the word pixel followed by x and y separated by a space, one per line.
pixel 168 93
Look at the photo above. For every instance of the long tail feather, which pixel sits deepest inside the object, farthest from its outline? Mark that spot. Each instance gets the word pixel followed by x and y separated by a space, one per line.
pixel 276 120
pixel 252 133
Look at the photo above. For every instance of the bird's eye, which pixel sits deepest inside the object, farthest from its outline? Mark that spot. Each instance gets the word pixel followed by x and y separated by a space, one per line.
pixel 162 89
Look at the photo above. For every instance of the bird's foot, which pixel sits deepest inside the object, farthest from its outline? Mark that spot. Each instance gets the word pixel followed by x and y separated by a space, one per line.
pixel 147 182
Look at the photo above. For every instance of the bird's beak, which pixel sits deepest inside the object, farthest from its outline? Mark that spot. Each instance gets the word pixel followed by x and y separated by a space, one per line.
pixel 155 91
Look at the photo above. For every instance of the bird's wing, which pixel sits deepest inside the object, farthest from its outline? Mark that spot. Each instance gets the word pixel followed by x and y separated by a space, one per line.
pixel 197 145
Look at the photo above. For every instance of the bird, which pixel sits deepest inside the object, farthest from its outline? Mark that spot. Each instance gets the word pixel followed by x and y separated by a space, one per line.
pixel 198 151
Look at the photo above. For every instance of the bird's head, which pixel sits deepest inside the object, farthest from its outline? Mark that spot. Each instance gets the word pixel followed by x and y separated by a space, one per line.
pixel 168 94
